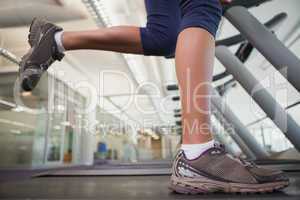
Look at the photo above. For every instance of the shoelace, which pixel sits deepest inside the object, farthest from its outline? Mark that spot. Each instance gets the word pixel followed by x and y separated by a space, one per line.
pixel 220 147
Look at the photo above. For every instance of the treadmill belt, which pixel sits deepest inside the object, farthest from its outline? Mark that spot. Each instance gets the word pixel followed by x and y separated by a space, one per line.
pixel 121 187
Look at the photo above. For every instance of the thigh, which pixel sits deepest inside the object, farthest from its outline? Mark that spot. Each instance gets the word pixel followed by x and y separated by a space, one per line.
pixel 204 14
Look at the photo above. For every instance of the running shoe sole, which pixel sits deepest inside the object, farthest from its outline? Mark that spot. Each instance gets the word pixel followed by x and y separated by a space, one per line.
pixel 199 185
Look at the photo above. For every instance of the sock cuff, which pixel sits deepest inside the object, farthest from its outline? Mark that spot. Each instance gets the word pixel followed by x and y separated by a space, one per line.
pixel 188 146
pixel 58 40
pixel 193 151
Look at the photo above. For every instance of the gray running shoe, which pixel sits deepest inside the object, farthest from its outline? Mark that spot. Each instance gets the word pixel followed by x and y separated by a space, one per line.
pixel 217 171
pixel 42 54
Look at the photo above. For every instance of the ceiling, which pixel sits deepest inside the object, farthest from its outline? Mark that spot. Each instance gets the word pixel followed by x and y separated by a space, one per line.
pixel 132 87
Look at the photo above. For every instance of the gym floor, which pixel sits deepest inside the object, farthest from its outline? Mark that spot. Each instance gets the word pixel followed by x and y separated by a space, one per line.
pixel 120 187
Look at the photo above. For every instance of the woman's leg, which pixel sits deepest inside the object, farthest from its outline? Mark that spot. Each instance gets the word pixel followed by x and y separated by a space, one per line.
pixel 195 53
pixel 49 42
pixel 211 168
pixel 194 66
pixel 123 39
pixel 157 38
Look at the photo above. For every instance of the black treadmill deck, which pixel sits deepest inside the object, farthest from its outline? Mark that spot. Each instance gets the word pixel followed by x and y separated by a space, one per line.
pixel 120 187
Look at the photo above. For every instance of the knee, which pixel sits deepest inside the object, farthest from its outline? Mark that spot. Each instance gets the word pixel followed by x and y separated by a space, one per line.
pixel 159 42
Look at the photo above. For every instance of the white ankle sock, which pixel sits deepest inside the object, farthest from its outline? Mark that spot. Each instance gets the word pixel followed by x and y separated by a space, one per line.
pixel 58 40
pixel 193 151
